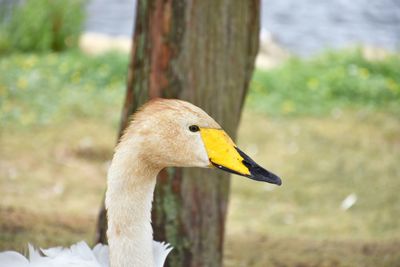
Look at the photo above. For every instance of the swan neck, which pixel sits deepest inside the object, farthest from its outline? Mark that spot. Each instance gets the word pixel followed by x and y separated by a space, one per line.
pixel 129 198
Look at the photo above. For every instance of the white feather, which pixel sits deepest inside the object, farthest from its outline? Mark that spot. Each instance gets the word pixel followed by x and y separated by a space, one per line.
pixel 160 252
pixel 12 258
pixel 348 202
pixel 78 255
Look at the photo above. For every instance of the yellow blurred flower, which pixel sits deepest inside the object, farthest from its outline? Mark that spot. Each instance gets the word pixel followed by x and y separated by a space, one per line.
pixel 288 107
pixel 27 118
pixel 88 88
pixel 312 84
pixel 364 73
pixel 392 85
pixel 76 77
pixel 22 83
pixel 29 62
pixel 257 86
pixel 3 90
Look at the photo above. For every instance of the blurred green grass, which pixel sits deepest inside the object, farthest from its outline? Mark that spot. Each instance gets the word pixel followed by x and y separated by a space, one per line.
pixel 328 125
pixel 327 83
pixel 40 89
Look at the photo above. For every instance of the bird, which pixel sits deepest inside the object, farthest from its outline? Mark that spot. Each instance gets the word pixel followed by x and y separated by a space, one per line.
pixel 162 133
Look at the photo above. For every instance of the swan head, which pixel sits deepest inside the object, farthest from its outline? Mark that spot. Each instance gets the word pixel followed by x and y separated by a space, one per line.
pixel 175 133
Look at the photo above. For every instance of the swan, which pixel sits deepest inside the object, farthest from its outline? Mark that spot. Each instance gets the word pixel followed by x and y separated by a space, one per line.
pixel 163 133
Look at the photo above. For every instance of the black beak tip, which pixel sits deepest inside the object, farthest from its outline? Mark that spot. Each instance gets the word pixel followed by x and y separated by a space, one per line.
pixel 260 174
pixel 275 179
pixel 257 172
pixel 278 181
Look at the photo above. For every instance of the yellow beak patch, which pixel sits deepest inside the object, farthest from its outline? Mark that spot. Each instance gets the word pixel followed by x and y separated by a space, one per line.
pixel 221 150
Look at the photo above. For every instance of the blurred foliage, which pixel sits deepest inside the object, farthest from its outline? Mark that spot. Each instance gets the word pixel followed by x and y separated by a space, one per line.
pixel 41 25
pixel 39 88
pixel 327 83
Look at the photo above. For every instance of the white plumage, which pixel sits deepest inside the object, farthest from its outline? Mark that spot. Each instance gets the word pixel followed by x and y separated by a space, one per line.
pixel 78 255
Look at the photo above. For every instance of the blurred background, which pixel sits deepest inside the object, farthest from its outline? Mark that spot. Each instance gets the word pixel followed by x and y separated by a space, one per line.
pixel 322 111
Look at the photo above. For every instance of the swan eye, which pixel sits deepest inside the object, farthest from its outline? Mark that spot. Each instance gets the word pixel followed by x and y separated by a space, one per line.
pixel 194 128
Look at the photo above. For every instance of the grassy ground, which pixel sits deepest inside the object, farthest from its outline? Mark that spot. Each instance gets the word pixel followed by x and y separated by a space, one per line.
pixel 322 160
pixel 52 184
pixel 56 142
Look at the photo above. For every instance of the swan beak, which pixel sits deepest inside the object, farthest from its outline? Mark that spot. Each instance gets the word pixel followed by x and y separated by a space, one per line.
pixel 224 155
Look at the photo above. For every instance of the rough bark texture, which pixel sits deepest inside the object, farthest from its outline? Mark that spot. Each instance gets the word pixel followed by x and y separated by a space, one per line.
pixel 203 52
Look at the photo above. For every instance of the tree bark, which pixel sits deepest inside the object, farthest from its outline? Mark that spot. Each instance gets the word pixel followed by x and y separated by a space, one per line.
pixel 203 52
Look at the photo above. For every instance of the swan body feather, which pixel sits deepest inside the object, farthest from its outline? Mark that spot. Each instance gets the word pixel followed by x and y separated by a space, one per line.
pixel 78 255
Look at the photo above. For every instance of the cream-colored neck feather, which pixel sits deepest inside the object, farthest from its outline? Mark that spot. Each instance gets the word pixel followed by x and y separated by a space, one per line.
pixel 158 137
pixel 129 196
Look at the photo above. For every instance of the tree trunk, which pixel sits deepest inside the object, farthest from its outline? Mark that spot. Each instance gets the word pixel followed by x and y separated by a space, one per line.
pixel 203 52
